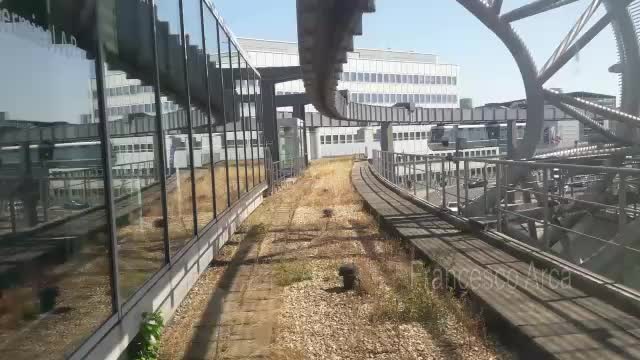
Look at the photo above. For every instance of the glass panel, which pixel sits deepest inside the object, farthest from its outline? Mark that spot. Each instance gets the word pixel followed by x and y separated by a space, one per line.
pixel 261 145
pixel 253 176
pixel 243 168
pixel 226 151
pixel 136 173
pixel 55 272
pixel 232 118
pixel 175 126
pixel 216 103
pixel 202 157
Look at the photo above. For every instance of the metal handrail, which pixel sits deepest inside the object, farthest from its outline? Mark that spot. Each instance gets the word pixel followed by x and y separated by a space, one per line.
pixel 397 168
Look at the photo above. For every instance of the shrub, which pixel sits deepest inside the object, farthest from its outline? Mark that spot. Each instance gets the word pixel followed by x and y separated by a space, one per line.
pixel 146 344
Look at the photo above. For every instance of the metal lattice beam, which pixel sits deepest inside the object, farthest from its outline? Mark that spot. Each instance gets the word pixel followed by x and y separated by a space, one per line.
pixel 573 34
pixel 534 8
pixel 603 111
pixel 559 60
pixel 587 121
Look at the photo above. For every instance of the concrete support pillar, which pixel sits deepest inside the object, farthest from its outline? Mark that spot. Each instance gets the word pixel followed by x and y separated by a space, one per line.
pixel 314 141
pixel 29 194
pixel 512 136
pixel 298 112
pixel 368 141
pixel 386 137
pixel 268 93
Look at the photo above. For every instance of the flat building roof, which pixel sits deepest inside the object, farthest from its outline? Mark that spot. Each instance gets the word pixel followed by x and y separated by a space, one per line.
pixel 288 47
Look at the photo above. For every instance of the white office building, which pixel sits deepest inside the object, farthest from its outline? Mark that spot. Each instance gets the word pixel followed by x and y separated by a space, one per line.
pixel 372 76
pixel 126 96
pixel 380 77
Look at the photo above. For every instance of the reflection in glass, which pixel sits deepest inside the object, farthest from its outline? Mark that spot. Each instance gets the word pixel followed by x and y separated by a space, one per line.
pixel 259 130
pixel 250 119
pixel 231 152
pixel 216 103
pixel 54 244
pixel 135 163
pixel 235 118
pixel 240 93
pixel 175 124
pixel 202 162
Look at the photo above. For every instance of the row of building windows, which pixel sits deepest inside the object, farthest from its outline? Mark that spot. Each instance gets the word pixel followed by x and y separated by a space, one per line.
pixel 420 135
pixel 399 78
pixel 396 98
pixel 126 171
pixel 126 90
pixel 240 143
pixel 80 193
pixel 469 153
pixel 133 148
pixel 340 139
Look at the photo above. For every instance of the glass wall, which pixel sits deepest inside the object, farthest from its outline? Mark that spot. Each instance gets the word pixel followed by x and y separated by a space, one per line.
pixel 176 125
pixel 117 149
pixel 136 164
pixel 216 103
pixel 199 113
pixel 55 283
pixel 252 141
pixel 241 77
pixel 229 66
pixel 260 129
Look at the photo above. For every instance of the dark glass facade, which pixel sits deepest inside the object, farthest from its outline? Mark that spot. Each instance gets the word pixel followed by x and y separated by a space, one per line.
pixel 127 127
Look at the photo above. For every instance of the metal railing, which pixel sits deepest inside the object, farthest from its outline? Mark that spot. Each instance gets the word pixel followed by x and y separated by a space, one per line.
pixel 278 172
pixel 585 214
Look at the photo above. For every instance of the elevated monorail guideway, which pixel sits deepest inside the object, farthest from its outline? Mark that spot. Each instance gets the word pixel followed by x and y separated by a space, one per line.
pixel 325 33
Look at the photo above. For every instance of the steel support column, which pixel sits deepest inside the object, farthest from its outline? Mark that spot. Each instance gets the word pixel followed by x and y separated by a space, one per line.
pixel 270 123
pixel 386 137
pixel 298 112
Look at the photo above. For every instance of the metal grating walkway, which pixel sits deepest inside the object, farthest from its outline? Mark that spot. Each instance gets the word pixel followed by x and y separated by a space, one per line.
pixel 541 316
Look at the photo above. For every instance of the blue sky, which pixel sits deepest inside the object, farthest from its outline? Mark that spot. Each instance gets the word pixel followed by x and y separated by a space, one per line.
pixel 444 27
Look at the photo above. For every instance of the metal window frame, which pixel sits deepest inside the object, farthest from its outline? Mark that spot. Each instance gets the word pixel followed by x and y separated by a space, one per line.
pixel 251 96
pixel 189 119
pixel 259 127
pixel 233 109
pixel 224 113
pixel 209 113
pixel 242 119
pixel 160 133
pixel 103 133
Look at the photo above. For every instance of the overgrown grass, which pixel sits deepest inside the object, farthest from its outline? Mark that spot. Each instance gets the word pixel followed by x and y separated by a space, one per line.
pixel 409 297
pixel 332 180
pixel 288 273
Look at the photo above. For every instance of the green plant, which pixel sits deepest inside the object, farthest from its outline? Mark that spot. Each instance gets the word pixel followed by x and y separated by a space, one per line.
pixel 146 343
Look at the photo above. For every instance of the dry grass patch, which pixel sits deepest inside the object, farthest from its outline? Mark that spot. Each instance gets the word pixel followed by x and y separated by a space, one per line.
pixel 331 183
pixel 290 272
pixel 413 299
